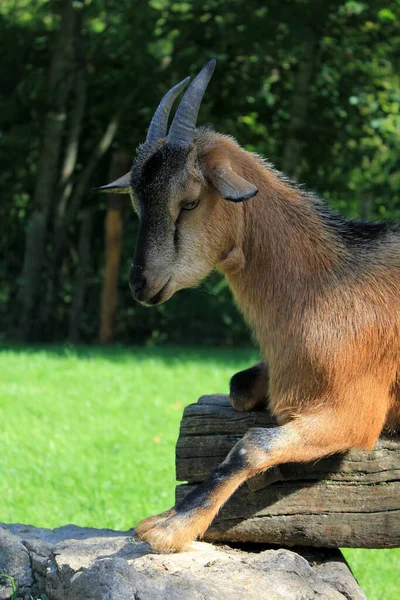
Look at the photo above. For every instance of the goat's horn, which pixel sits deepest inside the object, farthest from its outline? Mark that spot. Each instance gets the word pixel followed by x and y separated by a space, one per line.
pixel 119 186
pixel 184 124
pixel 159 122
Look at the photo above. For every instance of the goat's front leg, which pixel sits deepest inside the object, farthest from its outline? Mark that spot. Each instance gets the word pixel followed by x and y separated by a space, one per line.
pixel 306 438
pixel 249 388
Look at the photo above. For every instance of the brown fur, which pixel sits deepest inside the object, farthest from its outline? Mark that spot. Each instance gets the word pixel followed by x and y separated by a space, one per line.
pixel 324 327
pixel 327 322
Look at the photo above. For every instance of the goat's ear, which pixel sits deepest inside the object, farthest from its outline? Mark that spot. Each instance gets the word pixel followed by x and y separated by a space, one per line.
pixel 231 186
pixel 119 186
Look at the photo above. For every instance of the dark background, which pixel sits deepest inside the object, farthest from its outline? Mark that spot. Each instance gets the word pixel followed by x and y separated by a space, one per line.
pixel 312 85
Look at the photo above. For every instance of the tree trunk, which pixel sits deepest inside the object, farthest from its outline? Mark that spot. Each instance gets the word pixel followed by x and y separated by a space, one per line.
pixel 72 146
pixel 113 245
pixel 81 277
pixel 70 212
pixel 65 191
pixel 61 74
pixel 299 109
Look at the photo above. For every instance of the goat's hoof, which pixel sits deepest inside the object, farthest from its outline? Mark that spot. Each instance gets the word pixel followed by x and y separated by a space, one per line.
pixel 167 532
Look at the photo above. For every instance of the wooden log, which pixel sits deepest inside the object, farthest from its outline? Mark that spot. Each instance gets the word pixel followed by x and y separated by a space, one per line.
pixel 347 500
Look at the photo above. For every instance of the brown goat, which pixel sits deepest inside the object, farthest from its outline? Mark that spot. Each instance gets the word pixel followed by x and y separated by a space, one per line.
pixel 320 292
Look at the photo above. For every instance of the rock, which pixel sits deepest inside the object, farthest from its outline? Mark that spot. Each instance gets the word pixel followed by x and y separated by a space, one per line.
pixel 15 561
pixel 74 563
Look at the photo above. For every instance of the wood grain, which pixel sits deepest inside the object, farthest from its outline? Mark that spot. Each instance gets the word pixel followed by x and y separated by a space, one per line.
pixel 349 500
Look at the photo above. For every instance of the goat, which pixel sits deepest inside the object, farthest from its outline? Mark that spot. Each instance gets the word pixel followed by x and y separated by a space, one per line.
pixel 320 292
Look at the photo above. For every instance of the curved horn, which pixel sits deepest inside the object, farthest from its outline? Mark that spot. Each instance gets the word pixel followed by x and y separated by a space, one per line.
pixel 159 122
pixel 184 124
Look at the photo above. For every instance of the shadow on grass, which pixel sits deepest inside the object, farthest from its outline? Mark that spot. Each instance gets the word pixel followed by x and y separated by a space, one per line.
pixel 167 355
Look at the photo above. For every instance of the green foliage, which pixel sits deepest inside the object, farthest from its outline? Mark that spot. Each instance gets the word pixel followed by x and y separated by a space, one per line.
pixel 349 138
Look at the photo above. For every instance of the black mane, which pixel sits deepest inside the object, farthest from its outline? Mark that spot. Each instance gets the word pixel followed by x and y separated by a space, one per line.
pixel 357 232
pixel 353 232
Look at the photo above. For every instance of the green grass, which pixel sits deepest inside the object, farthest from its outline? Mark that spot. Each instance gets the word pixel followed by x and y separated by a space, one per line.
pixel 87 437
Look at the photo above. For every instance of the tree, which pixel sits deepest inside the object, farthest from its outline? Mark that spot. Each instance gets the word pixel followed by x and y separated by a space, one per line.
pixel 60 82
pixel 311 85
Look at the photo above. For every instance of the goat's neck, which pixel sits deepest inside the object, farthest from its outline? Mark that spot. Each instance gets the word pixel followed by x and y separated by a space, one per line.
pixel 288 251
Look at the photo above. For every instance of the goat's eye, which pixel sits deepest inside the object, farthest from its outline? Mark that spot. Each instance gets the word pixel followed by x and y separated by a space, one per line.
pixel 190 204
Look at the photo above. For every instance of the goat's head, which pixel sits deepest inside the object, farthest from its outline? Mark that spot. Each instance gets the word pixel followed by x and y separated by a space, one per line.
pixel 179 184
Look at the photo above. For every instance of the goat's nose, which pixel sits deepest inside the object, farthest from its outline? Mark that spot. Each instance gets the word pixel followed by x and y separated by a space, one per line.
pixel 137 280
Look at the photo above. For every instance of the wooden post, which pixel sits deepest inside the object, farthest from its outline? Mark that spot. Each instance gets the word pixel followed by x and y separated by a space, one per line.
pixel 348 500
pixel 120 164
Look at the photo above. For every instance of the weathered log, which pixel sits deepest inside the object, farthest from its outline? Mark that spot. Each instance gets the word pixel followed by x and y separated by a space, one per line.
pixel 347 500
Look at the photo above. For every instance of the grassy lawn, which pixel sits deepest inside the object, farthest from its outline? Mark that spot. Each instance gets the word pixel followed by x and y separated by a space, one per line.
pixel 88 434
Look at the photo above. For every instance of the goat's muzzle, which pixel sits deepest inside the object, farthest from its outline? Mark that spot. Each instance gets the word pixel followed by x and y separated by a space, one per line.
pixel 147 287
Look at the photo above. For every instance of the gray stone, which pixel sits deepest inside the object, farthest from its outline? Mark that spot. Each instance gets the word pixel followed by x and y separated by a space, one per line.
pixel 73 563
pixel 14 561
